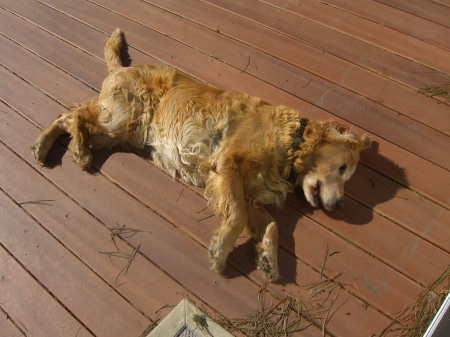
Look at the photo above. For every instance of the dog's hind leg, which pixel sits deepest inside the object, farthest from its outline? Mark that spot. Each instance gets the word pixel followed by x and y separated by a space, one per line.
pixel 265 230
pixel 228 199
pixel 48 137
pixel 85 124
pixel 80 124
pixel 81 153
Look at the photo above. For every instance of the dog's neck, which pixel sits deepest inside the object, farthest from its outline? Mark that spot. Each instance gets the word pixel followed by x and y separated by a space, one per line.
pixel 297 143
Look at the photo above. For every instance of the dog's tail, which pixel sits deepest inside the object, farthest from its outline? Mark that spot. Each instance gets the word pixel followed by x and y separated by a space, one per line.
pixel 112 51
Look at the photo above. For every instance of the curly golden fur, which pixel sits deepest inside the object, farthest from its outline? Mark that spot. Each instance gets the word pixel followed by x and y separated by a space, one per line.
pixel 240 148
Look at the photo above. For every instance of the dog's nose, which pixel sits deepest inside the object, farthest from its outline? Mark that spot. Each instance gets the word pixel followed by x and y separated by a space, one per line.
pixel 338 205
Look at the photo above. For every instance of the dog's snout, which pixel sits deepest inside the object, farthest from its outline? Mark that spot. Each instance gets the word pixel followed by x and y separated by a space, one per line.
pixel 338 204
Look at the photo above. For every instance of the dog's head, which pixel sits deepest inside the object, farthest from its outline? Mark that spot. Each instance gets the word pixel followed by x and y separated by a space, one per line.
pixel 327 158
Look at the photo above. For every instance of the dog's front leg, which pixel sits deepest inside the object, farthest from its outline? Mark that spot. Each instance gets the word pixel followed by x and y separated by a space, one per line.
pixel 227 195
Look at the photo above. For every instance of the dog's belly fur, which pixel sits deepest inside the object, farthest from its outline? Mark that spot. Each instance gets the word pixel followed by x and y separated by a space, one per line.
pixel 193 129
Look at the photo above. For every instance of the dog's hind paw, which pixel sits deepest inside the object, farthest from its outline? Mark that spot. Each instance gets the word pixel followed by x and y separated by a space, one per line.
pixel 38 156
pixel 267 263
pixel 83 160
pixel 216 260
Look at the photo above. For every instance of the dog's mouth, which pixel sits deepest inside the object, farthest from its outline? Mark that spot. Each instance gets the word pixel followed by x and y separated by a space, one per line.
pixel 316 194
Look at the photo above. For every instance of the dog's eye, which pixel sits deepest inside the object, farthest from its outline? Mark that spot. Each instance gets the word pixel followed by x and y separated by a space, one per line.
pixel 342 169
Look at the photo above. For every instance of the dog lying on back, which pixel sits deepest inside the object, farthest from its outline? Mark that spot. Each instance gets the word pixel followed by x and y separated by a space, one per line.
pixel 244 151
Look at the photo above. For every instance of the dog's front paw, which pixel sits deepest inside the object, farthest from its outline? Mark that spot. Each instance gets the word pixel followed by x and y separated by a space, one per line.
pixel 39 157
pixel 267 262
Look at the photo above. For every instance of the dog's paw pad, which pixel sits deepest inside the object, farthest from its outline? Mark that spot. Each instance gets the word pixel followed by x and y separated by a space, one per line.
pixel 267 267
pixel 263 264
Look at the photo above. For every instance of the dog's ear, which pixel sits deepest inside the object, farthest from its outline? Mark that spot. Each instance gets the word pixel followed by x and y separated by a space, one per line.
pixel 335 131
pixel 365 142
pixel 361 143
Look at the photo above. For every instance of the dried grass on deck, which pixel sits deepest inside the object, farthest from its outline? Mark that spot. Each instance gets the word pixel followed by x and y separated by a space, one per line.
pixel 282 319
pixel 414 320
pixel 436 90
pixel 285 317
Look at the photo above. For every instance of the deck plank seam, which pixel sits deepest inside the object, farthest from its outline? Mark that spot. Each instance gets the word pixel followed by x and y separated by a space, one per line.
pixel 10 318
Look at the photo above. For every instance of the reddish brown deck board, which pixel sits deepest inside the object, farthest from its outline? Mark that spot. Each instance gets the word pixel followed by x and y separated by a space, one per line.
pixel 336 43
pixel 73 31
pixel 131 174
pixel 401 21
pixel 8 327
pixel 429 10
pixel 33 310
pixel 88 297
pixel 396 203
pixel 443 2
pixel 13 57
pixel 292 51
pixel 390 238
pixel 372 33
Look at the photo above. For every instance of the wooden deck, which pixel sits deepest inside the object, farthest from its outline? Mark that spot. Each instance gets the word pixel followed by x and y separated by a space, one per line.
pixel 358 61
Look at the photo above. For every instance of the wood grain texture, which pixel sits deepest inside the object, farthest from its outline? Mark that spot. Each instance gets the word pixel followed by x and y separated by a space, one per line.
pixel 398 20
pixel 430 10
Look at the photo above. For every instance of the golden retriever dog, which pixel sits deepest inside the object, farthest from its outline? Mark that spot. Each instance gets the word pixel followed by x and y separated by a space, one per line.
pixel 244 151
